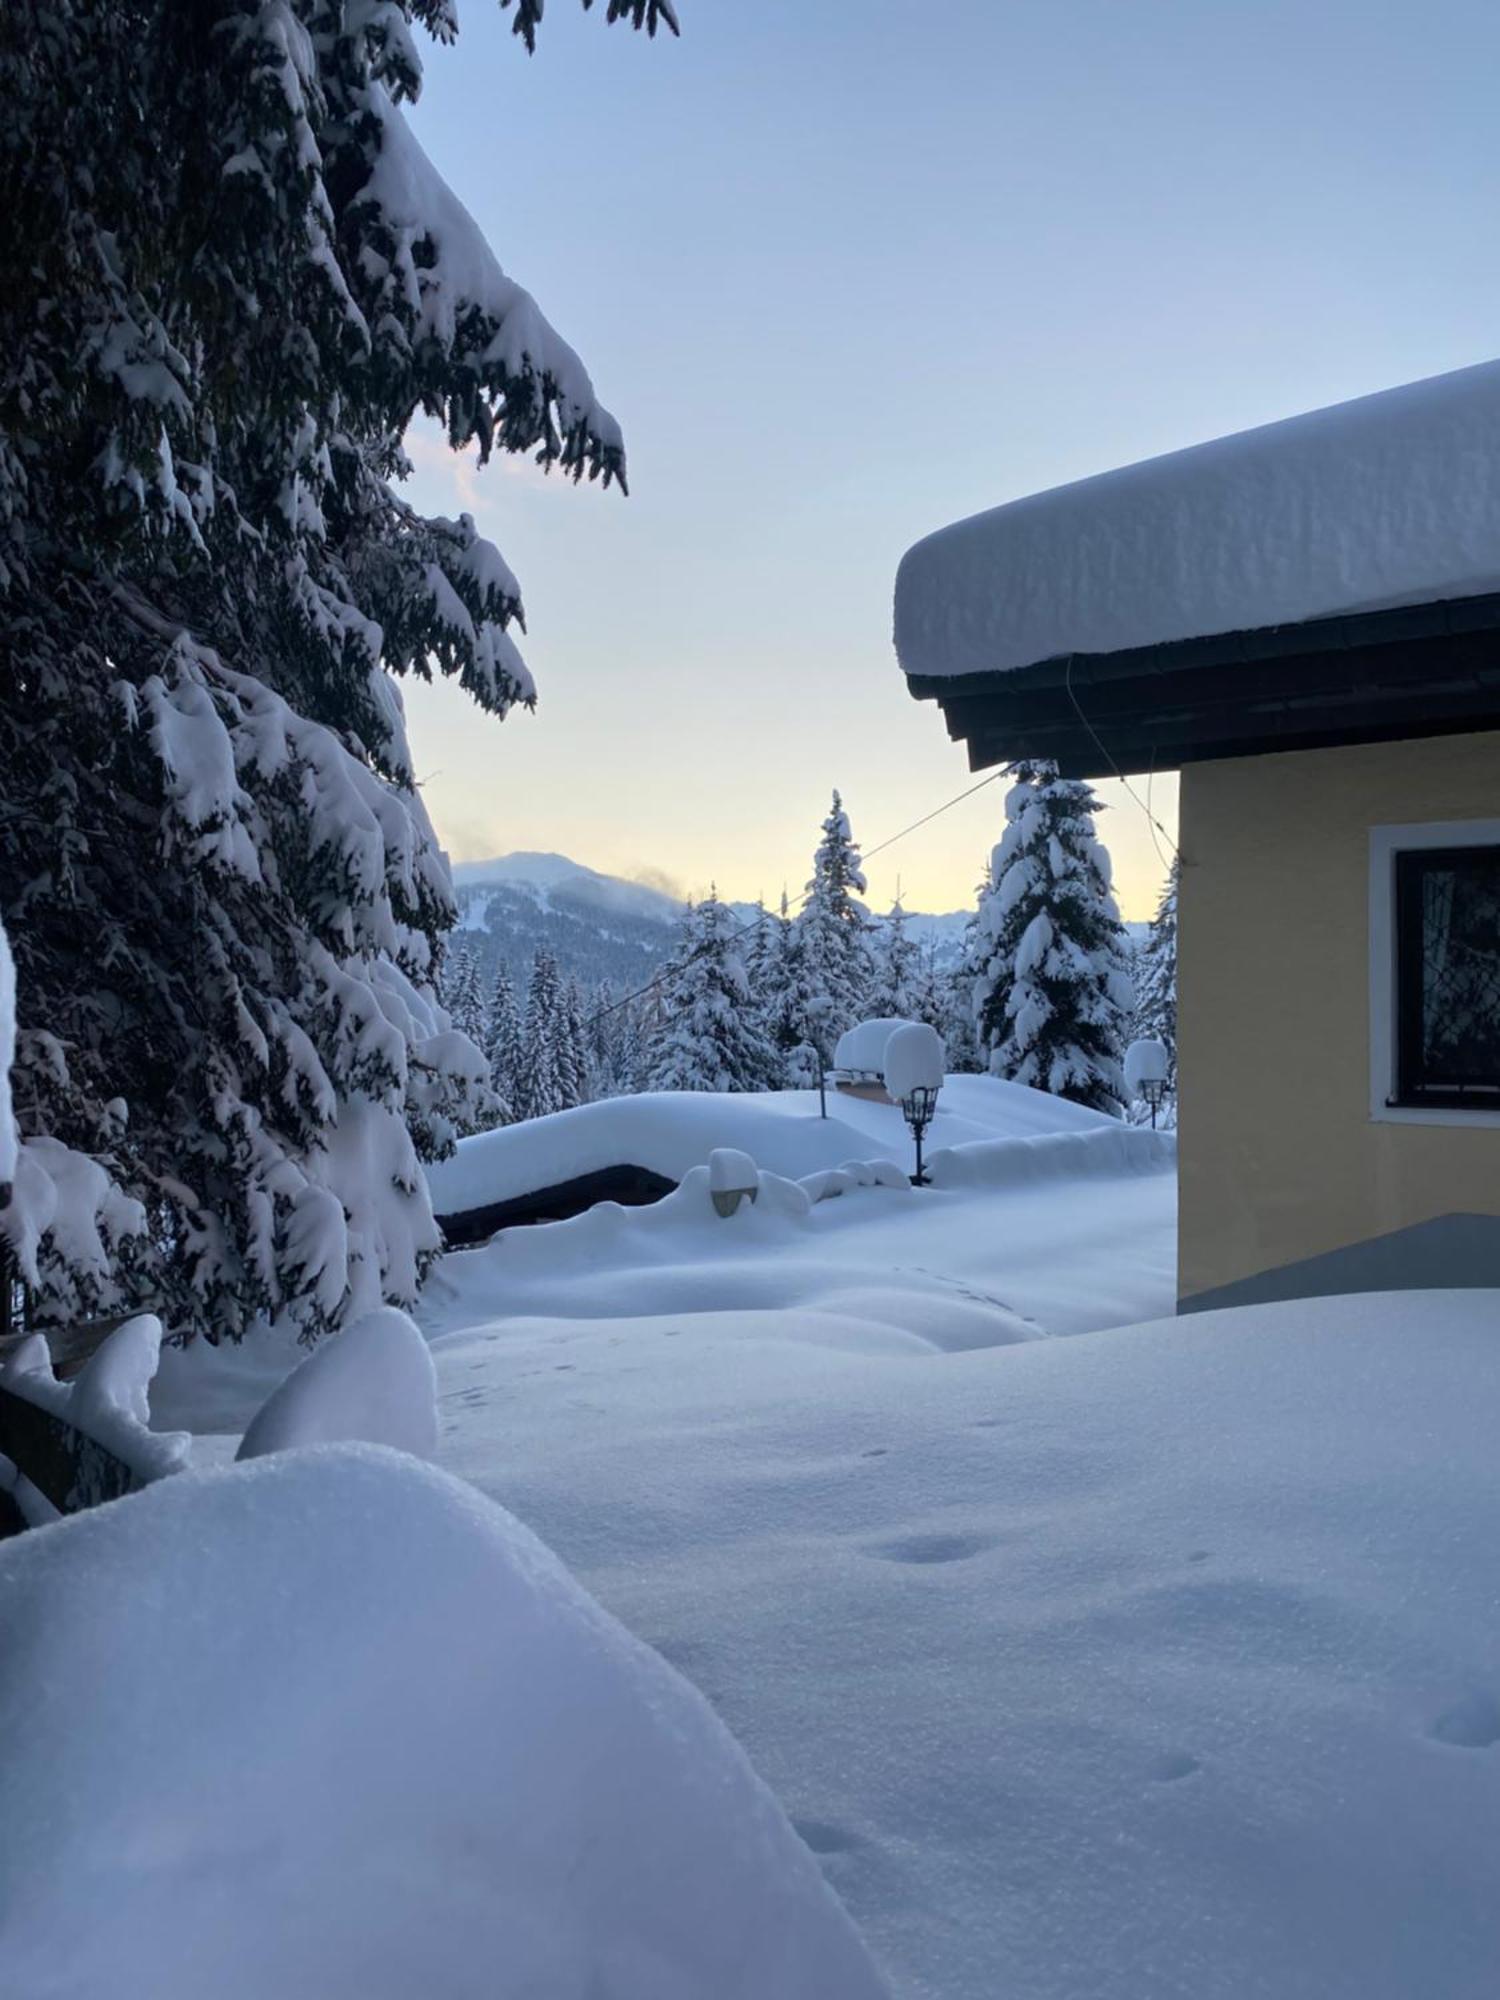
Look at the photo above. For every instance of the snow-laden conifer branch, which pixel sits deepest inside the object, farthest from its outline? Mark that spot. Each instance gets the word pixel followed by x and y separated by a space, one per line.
pixel 649 14
pixel 231 278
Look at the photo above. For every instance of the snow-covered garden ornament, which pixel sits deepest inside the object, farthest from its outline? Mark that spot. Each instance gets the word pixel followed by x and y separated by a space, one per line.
pixel 733 1177
pixel 1147 1067
pixel 914 1061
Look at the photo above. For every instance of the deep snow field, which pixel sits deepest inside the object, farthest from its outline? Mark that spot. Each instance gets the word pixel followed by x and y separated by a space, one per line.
pixel 1093 1661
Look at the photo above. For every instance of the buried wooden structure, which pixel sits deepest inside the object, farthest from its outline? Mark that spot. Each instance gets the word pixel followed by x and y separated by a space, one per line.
pixel 630 1186
pixel 67 1467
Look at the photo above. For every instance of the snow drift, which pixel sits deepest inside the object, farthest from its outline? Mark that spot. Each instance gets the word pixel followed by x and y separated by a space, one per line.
pixel 1115 1149
pixel 404 1755
pixel 1158 1664
pixel 670 1132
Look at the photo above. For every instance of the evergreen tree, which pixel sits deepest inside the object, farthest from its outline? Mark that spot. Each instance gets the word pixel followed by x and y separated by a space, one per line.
pixel 601 1035
pixel 1053 996
pixel 539 1081
pixel 1156 983
pixel 463 994
pixel 834 932
pixel 572 1050
pixel 709 1036
pixel 229 277
pixel 787 1012
pixel 898 981
pixel 761 953
pixel 627 1062
pixel 503 1044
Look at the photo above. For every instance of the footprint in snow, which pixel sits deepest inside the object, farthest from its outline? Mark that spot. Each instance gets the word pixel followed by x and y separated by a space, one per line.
pixel 936 1548
pixel 1471 1724
pixel 823 1837
pixel 1172 1765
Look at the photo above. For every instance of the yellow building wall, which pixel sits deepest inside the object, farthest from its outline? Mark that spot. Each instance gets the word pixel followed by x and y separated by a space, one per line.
pixel 1279 1155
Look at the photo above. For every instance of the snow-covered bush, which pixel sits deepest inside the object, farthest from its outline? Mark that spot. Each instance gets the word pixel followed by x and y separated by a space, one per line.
pixel 229 279
pixel 417 1759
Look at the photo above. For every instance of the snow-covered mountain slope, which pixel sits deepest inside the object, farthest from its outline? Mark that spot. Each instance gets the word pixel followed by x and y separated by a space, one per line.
pixel 545 876
pixel 599 926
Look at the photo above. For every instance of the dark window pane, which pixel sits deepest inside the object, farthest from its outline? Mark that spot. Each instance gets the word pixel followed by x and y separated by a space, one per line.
pixel 1448 977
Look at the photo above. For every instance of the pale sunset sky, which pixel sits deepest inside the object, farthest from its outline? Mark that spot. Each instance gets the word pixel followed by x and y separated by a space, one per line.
pixel 847 270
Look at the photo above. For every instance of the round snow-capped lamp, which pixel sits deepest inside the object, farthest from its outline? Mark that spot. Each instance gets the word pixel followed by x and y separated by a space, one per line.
pixel 733 1177
pixel 915 1059
pixel 1147 1068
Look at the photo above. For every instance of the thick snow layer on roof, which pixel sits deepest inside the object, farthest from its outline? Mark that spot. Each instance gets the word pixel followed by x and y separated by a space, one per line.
pixel 1390 499
pixel 668 1132
pixel 401 1753
pixel 1158 1664
pixel 862 1047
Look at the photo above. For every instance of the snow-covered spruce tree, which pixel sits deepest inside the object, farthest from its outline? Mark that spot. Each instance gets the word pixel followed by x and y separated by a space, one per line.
pixel 572 1049
pixel 1156 982
pixel 502 1044
pixel 759 949
pixel 229 277
pixel 785 1003
pixel 539 1081
pixel 834 931
pixel 709 1036
pixel 897 988
pixel 1053 997
pixel 463 995
pixel 626 1055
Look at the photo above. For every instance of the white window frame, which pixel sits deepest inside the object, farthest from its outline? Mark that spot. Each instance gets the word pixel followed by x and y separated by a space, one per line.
pixel 1386 842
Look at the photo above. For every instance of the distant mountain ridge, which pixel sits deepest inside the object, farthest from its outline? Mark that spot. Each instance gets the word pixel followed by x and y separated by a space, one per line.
pixel 598 927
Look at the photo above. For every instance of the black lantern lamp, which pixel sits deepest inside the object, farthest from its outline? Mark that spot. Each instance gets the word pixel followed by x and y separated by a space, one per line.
pixel 917 1107
pixel 914 1063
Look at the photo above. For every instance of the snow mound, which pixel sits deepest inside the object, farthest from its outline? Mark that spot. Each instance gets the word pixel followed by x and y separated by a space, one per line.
pixel 1158 1664
pixel 679 1257
pixel 1390 499
pixel 1118 1149
pixel 914 1060
pixel 670 1132
pixel 373 1383
pixel 412 1758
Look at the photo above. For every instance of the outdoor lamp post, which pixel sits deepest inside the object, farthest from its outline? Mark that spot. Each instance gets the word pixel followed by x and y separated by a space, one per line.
pixel 918 1106
pixel 914 1062
pixel 1146 1066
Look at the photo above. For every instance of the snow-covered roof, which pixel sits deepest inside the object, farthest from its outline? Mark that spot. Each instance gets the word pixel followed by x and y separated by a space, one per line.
pixel 1390 499
pixel 669 1132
